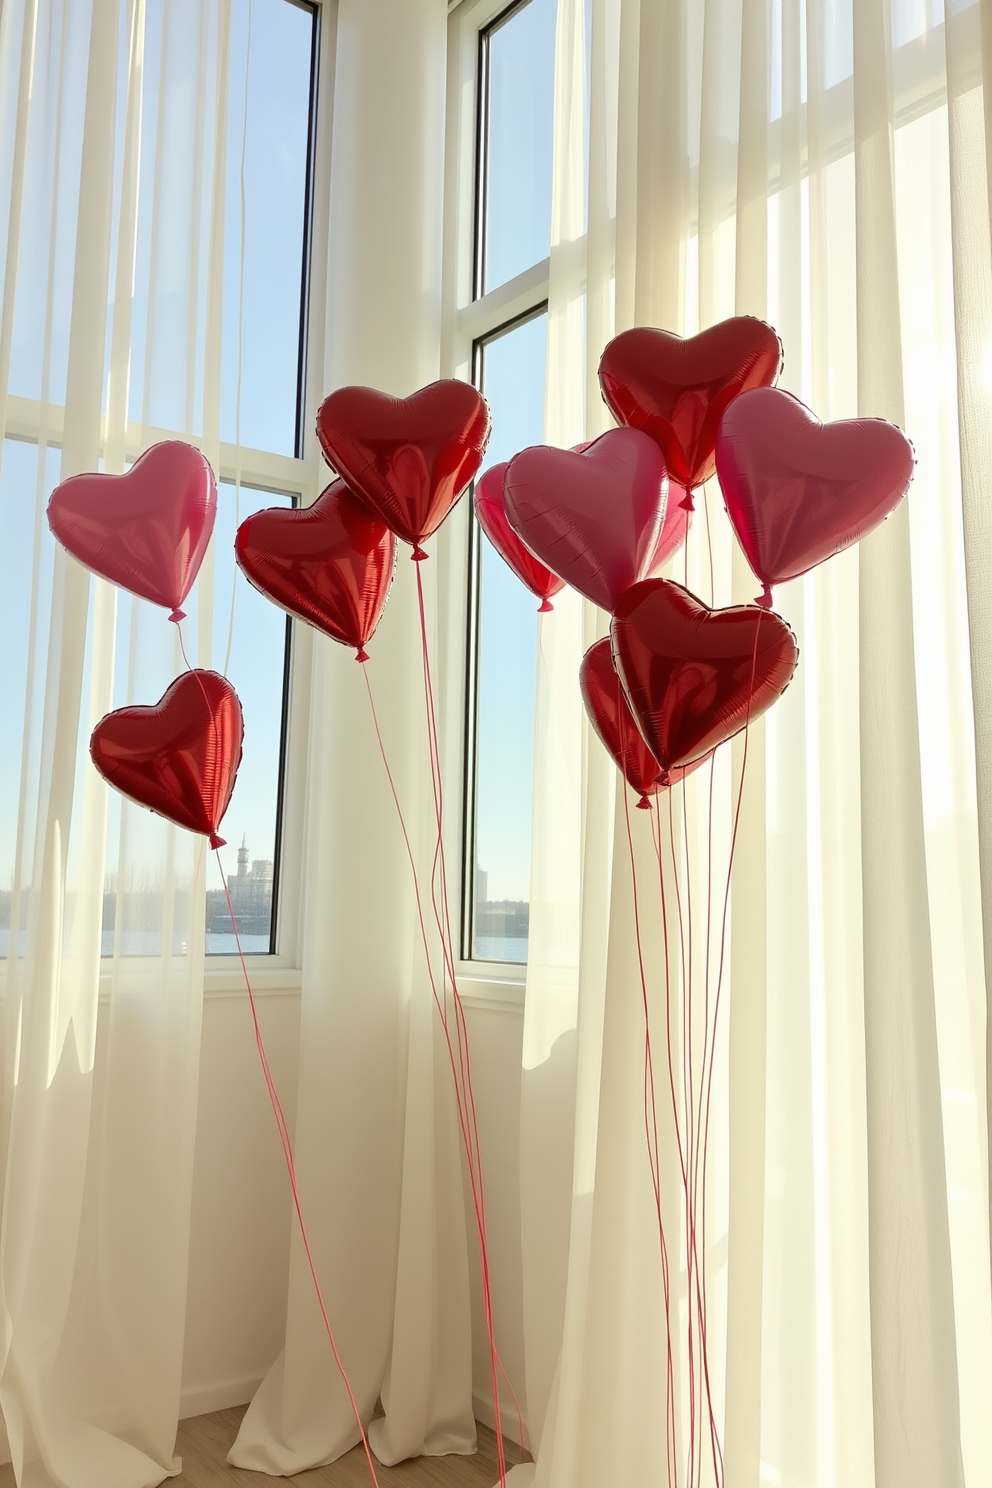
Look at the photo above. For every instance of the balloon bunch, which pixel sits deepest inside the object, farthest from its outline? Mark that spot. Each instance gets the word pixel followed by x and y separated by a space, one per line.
pixel 683 677
pixel 676 677
pixel 402 463
pixel 147 531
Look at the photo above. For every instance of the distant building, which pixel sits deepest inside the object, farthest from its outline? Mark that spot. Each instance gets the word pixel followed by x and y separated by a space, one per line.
pixel 501 918
pixel 251 897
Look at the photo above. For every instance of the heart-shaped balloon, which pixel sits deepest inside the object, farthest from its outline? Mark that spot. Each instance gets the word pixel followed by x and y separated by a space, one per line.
pixel 675 527
pixel 676 389
pixel 695 676
pixel 593 518
pixel 610 715
pixel 331 563
pixel 489 509
pixel 409 459
pixel 179 757
pixel 798 491
pixel 146 530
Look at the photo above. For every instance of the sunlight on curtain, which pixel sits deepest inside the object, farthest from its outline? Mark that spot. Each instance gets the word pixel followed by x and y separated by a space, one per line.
pixel 111 303
pixel 825 169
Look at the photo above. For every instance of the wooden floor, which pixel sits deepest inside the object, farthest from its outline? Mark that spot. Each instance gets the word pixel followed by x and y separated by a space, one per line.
pixel 204 1441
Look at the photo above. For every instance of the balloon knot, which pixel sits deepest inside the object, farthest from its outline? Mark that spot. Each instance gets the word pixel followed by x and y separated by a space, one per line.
pixel 418 555
pixel 177 615
pixel 764 599
pixel 216 841
pixel 644 804
pixel 361 654
pixel 664 780
pixel 545 607
pixel 686 502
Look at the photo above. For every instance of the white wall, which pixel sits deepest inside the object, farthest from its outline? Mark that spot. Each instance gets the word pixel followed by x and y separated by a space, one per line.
pixel 241 1215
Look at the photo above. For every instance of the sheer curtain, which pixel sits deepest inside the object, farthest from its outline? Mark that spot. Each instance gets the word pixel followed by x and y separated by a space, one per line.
pixel 377 1139
pixel 113 131
pixel 823 167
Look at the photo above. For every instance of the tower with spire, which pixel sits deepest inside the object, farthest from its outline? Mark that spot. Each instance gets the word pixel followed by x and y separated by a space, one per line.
pixel 243 859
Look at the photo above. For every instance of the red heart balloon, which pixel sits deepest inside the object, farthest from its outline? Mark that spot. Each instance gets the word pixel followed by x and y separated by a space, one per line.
pixel 674 529
pixel 798 491
pixel 146 530
pixel 179 757
pixel 491 513
pixel 695 676
pixel 677 389
pixel 593 518
pixel 409 459
pixel 330 563
pixel 610 715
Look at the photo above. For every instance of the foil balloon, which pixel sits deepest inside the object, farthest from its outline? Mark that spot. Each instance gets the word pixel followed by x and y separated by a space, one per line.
pixel 677 389
pixel 146 530
pixel 408 459
pixel 610 715
pixel 331 564
pixel 675 527
pixel 489 508
pixel 179 757
pixel 593 518
pixel 798 491
pixel 695 676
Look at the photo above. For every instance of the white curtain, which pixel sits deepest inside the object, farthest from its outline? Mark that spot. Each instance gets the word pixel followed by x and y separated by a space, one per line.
pixel 823 167
pixel 377 1139
pixel 113 133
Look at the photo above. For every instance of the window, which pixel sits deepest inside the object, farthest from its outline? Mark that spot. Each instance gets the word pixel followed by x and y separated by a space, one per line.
pixel 242 285
pixel 507 323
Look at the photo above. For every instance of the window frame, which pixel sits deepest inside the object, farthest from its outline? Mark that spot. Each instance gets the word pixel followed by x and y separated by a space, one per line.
pixel 469 320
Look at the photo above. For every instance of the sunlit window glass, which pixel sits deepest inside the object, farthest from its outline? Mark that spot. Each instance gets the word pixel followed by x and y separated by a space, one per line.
pixel 258 642
pixel 271 45
pixel 512 373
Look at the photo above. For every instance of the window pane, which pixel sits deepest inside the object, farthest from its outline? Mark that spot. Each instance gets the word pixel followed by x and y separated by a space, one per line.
pixel 271 43
pixel 258 652
pixel 513 381
pixel 516 227
pixel 186 51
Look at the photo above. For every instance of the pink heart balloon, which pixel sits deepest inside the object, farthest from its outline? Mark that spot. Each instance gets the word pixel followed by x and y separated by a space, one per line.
pixel 489 509
pixel 146 530
pixel 593 518
pixel 675 527
pixel 798 491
